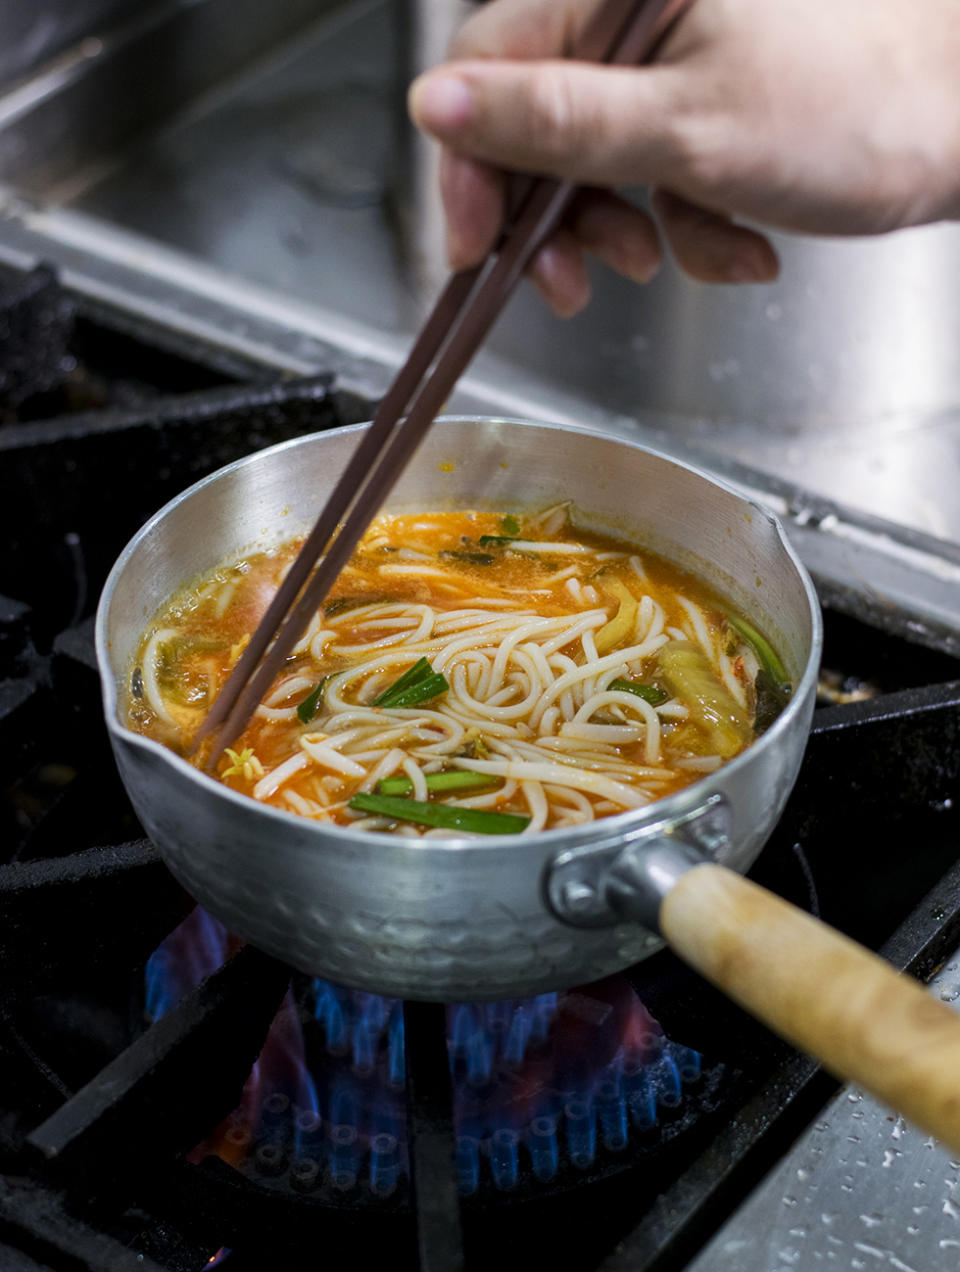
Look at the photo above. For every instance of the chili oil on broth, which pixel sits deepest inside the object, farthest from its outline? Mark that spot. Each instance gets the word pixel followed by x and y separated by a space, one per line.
pixel 575 677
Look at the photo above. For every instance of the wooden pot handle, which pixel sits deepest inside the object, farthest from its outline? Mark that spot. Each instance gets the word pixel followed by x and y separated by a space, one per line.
pixel 821 991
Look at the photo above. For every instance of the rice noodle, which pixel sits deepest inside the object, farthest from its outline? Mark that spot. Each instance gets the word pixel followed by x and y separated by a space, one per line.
pixel 224 597
pixel 273 780
pixel 560 775
pixel 575 809
pixel 537 803
pixel 698 625
pixel 412 770
pixel 551 520
pixel 319 749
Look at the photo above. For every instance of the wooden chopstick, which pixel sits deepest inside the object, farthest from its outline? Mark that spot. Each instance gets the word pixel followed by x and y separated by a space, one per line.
pixel 624 32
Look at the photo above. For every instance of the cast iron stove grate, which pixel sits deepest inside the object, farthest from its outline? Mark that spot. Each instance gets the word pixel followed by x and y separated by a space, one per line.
pixel 100 1111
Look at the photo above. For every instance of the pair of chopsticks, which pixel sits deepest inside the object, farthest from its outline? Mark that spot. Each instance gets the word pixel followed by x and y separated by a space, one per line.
pixel 623 32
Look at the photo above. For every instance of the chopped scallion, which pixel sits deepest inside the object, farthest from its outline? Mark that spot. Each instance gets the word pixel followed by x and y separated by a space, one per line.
pixel 311 703
pixel 510 525
pixel 451 780
pixel 343 604
pixel 473 820
pixel 413 695
pixel 417 672
pixel 767 656
pixel 468 558
pixel 486 539
pixel 419 684
pixel 649 693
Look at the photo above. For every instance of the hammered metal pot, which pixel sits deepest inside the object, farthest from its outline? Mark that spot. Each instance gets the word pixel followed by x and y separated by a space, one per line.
pixel 460 918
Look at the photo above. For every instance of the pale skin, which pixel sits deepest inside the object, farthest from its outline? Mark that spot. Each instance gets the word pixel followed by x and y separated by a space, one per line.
pixel 815 116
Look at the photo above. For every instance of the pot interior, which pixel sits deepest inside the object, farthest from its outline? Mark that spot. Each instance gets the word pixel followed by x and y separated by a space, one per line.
pixel 511 465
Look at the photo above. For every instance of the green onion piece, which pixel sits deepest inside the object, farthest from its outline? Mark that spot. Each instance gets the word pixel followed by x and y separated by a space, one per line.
pixel 451 780
pixel 496 538
pixel 766 655
pixel 470 558
pixel 649 693
pixel 343 604
pixel 422 691
pixel 475 820
pixel 419 671
pixel 311 703
pixel 509 525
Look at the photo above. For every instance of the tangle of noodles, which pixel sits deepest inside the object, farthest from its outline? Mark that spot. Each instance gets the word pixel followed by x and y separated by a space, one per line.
pixel 534 628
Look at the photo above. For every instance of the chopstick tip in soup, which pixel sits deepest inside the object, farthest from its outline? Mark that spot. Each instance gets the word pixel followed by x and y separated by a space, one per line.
pixel 470 673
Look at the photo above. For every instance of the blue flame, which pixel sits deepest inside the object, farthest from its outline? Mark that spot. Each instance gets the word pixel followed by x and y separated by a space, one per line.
pixel 665 1079
pixel 396 1049
pixel 190 954
pixel 505 1158
pixel 384 1164
pixel 581 1125
pixel 468 1164
pixel 543 1147
pixel 612 1111
pixel 541 1084
pixel 688 1063
pixel 344 1156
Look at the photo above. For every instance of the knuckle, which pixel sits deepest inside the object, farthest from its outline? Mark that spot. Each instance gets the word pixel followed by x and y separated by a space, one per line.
pixel 697 152
pixel 555 116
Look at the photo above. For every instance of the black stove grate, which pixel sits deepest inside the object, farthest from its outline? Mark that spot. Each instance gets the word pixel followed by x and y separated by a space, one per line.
pixel 99 1109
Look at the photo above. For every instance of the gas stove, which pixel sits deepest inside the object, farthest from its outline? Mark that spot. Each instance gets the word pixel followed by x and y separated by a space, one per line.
pixel 173 1101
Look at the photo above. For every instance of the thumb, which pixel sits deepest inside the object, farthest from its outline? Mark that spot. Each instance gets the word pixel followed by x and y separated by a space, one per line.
pixel 600 125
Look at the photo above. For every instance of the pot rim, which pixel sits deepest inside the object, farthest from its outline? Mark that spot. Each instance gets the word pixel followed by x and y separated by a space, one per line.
pixel 558 840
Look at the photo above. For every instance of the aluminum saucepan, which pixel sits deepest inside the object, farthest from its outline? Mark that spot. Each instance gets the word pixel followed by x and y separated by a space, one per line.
pixel 446 919
pixel 474 919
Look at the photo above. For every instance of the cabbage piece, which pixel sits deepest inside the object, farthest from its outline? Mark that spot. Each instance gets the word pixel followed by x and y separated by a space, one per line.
pixel 621 626
pixel 687 673
pixel 181 674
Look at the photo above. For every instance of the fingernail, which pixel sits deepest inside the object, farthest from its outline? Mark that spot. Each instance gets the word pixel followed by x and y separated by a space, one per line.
pixel 644 272
pixel 565 294
pixel 441 103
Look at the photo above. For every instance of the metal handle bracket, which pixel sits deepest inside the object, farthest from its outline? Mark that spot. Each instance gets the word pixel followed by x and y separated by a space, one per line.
pixel 627 877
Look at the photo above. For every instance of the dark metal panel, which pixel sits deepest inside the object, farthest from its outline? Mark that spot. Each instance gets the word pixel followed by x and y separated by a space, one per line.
pixel 33 33
pixel 37 1222
pixel 432 1145
pixel 107 89
pixel 180 1078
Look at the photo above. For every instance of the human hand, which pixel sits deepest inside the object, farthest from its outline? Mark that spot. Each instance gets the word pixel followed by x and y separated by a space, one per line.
pixel 840 118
